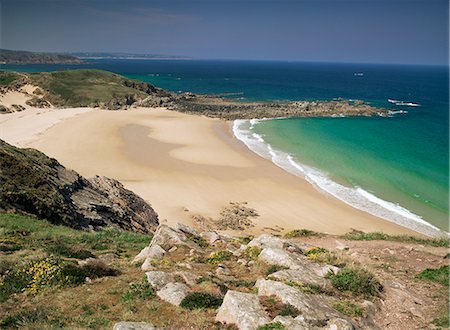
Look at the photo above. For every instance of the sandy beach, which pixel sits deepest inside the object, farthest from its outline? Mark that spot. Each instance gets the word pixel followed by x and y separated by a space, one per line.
pixel 183 165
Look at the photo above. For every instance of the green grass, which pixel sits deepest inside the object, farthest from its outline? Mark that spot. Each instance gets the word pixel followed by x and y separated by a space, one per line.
pixel 442 321
pixel 440 275
pixel 348 308
pixel 301 233
pixel 83 87
pixel 8 77
pixel 201 300
pixel 377 236
pixel 141 291
pixel 357 281
pixel 30 233
pixel 218 256
pixel 252 252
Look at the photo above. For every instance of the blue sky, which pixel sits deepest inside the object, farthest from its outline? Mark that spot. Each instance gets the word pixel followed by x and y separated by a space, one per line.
pixel 375 31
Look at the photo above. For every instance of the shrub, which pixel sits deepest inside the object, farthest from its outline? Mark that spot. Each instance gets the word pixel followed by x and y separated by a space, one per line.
pixel 356 280
pixel 272 326
pixel 63 249
pixel 201 300
pixel 139 290
pixel 348 308
pixel 252 252
pixel 301 233
pixel 315 251
pixel 439 275
pixel 323 256
pixel 357 235
pixel 218 256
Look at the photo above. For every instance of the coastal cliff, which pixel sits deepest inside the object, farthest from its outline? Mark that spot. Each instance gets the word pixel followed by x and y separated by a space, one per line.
pixel 33 183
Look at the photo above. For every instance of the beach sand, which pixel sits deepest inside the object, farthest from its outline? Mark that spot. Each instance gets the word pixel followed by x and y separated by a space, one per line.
pixel 184 165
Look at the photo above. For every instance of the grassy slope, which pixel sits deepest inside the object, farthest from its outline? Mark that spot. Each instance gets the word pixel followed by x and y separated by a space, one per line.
pixel 84 87
pixel 98 305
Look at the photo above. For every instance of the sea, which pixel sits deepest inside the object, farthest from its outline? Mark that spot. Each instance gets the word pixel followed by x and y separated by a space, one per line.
pixel 395 167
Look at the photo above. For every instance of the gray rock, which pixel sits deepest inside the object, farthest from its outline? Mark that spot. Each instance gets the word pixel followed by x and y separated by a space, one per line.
pixel 210 236
pixel 133 326
pixel 186 229
pixel 153 252
pixel 301 275
pixel 338 324
pixel 267 241
pixel 188 277
pixel 167 238
pixel 147 265
pixel 278 257
pixel 292 324
pixel 173 293
pixel 158 279
pixel 314 309
pixel 243 310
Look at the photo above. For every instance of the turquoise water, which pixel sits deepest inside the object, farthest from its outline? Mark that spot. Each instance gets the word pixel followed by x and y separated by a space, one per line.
pixel 402 159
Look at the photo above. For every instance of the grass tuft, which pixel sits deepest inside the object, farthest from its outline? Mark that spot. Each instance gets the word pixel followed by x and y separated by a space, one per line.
pixel 348 308
pixel 218 256
pixel 201 300
pixel 440 275
pixel 301 233
pixel 357 281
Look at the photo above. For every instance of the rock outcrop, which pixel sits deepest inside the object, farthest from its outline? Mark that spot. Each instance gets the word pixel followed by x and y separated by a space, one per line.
pixel 33 183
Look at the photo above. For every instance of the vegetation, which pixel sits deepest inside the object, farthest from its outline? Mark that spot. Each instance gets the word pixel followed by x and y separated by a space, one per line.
pixel 440 275
pixel 200 300
pixel 139 291
pixel 357 281
pixel 200 241
pixel 323 256
pixel 272 326
pixel 301 233
pixel 349 308
pixel 24 57
pixel 376 236
pixel 8 77
pixel 218 256
pixel 274 307
pixel 252 252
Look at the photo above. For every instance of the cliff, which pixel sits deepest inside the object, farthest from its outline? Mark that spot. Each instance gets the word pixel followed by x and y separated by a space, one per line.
pixel 23 57
pixel 33 183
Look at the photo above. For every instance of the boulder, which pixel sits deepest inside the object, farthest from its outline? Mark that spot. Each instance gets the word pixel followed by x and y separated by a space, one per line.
pixel 173 293
pixel 188 277
pixel 278 257
pixel 290 323
pixel 186 229
pixel 314 309
pixel 153 252
pixel 133 326
pixel 267 241
pixel 167 238
pixel 210 236
pixel 158 279
pixel 243 310
pixel 339 324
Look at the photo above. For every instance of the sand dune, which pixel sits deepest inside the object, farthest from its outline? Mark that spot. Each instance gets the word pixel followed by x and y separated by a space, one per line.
pixel 183 165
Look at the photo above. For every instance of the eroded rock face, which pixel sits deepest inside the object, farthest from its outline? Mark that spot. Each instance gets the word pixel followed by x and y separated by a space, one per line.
pixel 267 241
pixel 301 275
pixel 243 310
pixel 34 183
pixel 159 279
pixel 314 310
pixel 173 293
pixel 153 252
pixel 278 257
pixel 167 238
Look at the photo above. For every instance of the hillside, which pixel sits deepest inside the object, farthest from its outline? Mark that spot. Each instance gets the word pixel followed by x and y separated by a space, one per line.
pixel 33 183
pixel 23 57
pixel 185 278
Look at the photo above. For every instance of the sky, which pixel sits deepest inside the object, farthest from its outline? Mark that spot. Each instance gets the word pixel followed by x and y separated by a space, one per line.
pixel 368 31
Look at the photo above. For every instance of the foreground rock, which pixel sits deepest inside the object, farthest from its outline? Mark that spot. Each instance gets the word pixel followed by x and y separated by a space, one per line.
pixel 243 310
pixel 173 293
pixel 33 183
pixel 133 326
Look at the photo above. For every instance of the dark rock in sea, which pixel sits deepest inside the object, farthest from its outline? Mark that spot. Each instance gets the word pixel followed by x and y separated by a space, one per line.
pixel 33 183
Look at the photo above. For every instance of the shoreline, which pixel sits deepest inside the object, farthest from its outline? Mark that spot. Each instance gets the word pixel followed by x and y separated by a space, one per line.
pixel 356 197
pixel 185 165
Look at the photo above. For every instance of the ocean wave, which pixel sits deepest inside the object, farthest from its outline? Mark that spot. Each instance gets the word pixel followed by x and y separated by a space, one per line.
pixel 404 103
pixel 353 196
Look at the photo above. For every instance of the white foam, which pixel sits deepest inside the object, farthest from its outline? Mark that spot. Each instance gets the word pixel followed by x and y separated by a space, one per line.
pixel 353 196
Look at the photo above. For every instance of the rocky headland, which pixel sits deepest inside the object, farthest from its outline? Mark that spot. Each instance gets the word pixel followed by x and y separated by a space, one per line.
pixel 96 88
